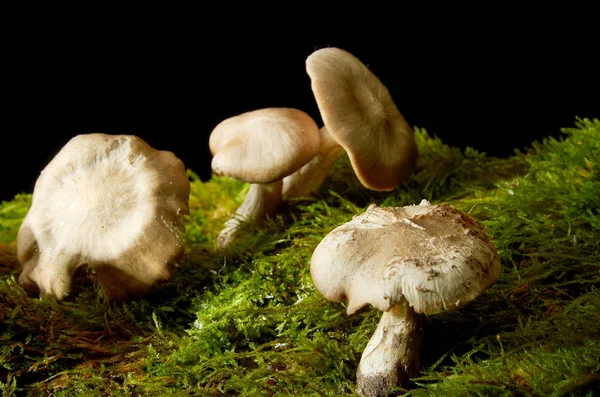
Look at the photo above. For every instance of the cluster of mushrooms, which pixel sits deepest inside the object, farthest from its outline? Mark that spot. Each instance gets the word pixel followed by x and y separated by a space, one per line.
pixel 117 205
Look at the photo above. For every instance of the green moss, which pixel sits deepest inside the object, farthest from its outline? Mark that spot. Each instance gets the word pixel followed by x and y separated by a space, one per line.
pixel 248 322
pixel 11 216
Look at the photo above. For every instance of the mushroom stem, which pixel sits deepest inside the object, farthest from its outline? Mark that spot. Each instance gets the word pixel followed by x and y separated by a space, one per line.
pixel 261 200
pixel 392 354
pixel 311 176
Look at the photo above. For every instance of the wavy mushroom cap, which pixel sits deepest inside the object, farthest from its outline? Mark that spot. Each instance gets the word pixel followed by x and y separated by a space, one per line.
pixel 361 115
pixel 263 145
pixel 109 201
pixel 434 256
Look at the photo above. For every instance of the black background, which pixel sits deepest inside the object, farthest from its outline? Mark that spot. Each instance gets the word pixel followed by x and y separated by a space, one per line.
pixel 492 86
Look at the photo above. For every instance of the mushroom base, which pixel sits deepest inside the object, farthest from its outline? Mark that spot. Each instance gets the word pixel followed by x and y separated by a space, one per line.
pixel 262 200
pixel 392 355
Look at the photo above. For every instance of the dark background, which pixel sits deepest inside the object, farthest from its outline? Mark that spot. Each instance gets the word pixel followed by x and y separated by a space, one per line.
pixel 494 88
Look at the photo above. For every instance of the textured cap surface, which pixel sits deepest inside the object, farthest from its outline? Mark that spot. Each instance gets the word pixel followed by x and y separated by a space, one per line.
pixel 434 256
pixel 109 201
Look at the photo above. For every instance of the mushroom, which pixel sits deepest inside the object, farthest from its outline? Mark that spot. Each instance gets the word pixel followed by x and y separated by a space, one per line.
pixel 261 147
pixel 111 202
pixel 361 119
pixel 407 262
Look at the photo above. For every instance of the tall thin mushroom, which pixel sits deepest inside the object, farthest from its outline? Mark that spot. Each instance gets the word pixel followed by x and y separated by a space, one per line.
pixel 407 262
pixel 361 119
pixel 111 202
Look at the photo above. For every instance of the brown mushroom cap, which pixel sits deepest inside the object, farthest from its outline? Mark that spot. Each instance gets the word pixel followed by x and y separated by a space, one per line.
pixel 111 202
pixel 361 115
pixel 434 256
pixel 264 145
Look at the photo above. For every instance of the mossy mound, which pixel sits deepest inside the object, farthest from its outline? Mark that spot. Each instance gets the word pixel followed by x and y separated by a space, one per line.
pixel 248 322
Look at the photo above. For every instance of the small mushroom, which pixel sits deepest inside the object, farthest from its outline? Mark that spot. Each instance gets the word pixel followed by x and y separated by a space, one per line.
pixel 111 202
pixel 407 262
pixel 360 118
pixel 261 147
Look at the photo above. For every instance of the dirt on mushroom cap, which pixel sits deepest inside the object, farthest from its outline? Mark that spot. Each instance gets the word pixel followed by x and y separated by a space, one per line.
pixel 436 259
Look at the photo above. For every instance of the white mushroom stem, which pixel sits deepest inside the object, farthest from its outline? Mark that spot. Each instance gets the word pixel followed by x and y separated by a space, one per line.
pixel 261 200
pixel 311 176
pixel 392 354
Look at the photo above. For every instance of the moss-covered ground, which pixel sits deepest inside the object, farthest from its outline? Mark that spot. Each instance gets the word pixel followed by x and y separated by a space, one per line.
pixel 248 322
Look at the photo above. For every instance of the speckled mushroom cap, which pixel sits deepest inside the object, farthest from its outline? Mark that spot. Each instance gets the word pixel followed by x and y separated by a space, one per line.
pixel 264 145
pixel 434 256
pixel 109 201
pixel 361 115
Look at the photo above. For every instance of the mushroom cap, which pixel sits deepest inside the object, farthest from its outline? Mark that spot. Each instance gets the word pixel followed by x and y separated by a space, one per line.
pixel 361 115
pixel 109 201
pixel 434 256
pixel 264 145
